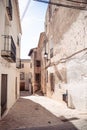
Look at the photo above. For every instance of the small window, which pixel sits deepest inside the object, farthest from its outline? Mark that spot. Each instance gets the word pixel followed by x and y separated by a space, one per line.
pixel 30 65
pixel 51 47
pixel 37 77
pixel 46 76
pixel 50 12
pixel 22 76
pixel 22 65
pixel 9 8
pixel 35 54
pixel 38 63
pixel 29 80
pixel 52 81
pixel 17 40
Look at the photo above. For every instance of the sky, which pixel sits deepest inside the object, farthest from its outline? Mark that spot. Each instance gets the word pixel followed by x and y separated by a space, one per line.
pixel 32 25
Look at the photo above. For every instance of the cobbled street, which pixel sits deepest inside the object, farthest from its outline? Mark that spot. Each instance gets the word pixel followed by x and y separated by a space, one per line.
pixel 41 113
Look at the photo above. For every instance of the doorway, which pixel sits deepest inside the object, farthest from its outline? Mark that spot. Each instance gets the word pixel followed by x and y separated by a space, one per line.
pixel 22 86
pixel 3 93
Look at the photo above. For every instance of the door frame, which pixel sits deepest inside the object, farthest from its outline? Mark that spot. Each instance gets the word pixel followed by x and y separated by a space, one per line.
pixel 4 78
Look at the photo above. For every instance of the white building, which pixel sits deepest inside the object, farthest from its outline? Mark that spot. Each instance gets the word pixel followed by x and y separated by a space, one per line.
pixel 66 50
pixel 10 30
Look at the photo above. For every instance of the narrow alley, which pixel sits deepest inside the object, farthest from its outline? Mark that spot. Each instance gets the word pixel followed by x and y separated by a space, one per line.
pixel 39 112
pixel 43 54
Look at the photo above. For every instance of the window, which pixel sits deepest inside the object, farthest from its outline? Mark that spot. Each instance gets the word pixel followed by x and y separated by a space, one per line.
pixel 9 8
pixel 52 81
pixel 29 80
pixel 51 52
pixel 37 77
pixel 22 76
pixel 22 65
pixel 35 54
pixel 46 76
pixel 30 65
pixel 18 40
pixel 51 47
pixel 50 12
pixel 38 63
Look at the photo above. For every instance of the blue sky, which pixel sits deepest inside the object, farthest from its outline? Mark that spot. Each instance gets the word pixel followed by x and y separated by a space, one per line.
pixel 32 25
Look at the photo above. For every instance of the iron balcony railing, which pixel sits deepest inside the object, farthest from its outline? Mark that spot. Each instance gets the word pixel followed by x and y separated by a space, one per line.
pixel 18 63
pixel 9 51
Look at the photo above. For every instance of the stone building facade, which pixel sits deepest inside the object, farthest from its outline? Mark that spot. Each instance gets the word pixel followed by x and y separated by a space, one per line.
pixel 25 75
pixel 41 50
pixel 66 48
pixel 36 69
pixel 10 34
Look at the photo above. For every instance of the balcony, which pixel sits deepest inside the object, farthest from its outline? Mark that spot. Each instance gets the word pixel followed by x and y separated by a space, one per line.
pixel 18 63
pixel 9 8
pixel 9 51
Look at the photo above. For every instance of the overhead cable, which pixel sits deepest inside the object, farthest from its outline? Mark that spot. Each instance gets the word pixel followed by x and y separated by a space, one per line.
pixel 77 1
pixel 27 5
pixel 63 5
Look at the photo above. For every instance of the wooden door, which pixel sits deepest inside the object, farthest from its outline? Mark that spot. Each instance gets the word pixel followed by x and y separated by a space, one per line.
pixel 3 93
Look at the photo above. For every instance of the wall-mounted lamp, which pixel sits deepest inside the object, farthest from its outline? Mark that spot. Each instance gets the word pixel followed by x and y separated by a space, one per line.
pixel 46 56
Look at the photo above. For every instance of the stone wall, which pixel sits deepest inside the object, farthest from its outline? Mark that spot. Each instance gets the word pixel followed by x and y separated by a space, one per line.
pixel 68 30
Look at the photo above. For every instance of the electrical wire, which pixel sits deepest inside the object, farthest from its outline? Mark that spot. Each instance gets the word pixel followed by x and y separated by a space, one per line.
pixel 77 1
pixel 26 8
pixel 64 60
pixel 63 5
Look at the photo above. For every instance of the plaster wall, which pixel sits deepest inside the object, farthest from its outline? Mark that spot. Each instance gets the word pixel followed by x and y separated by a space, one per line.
pixel 68 30
pixel 5 66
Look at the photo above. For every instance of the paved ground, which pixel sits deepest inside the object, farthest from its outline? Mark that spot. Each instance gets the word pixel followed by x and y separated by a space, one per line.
pixel 42 113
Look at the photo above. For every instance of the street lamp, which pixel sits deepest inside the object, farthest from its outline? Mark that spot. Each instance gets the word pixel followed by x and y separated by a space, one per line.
pixel 46 56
